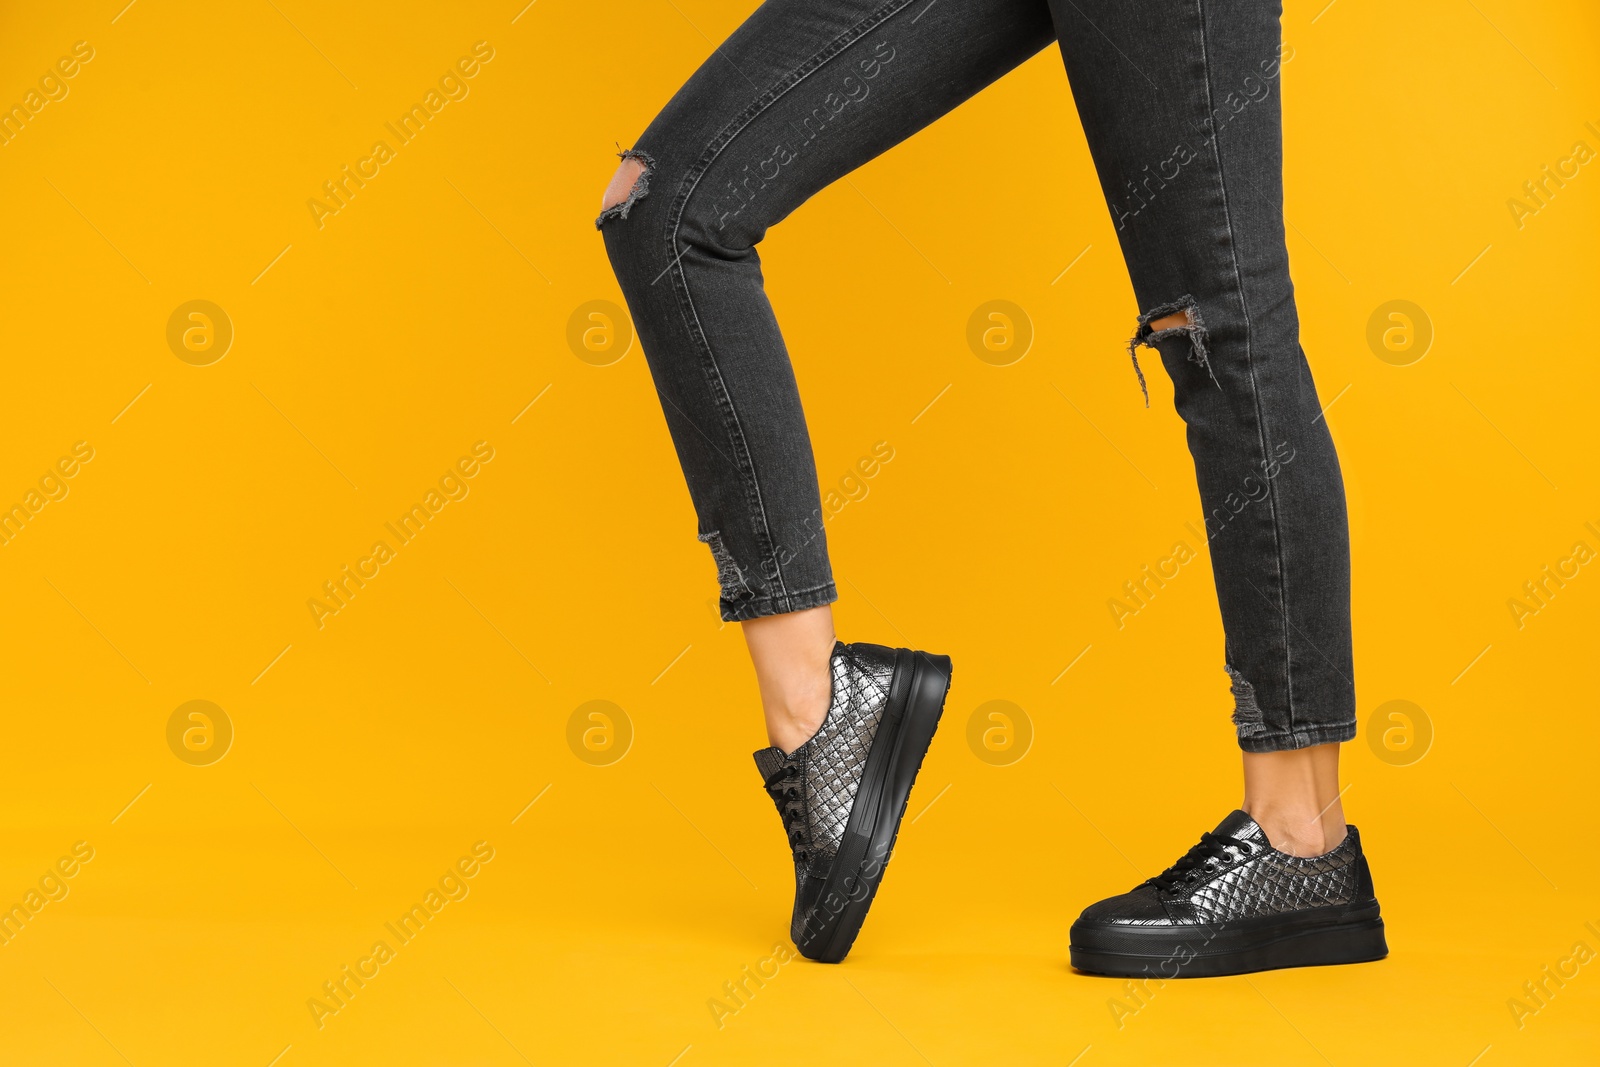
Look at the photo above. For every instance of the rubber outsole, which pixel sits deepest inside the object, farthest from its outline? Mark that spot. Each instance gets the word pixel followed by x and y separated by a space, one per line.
pixel 1325 937
pixel 916 703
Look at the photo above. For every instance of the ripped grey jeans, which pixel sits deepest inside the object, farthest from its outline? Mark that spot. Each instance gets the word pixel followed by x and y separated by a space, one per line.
pixel 1179 100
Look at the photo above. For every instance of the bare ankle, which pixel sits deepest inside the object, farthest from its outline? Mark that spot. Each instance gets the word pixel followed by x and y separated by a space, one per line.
pixel 792 655
pixel 1299 831
pixel 1294 797
pixel 797 720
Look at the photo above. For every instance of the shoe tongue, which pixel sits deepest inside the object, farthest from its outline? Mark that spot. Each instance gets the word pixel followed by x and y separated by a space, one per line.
pixel 1240 826
pixel 769 760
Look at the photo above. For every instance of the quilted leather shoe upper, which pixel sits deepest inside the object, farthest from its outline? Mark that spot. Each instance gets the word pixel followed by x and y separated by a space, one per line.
pixel 1235 873
pixel 814 787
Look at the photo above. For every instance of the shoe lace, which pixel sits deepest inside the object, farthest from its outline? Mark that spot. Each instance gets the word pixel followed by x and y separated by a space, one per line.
pixel 783 786
pixel 1201 860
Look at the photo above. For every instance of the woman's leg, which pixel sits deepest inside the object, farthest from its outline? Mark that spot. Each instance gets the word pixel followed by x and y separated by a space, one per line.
pixel 1180 102
pixel 801 94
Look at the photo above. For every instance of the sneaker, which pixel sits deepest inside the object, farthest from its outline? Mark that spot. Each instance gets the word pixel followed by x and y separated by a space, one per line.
pixel 841 795
pixel 1233 905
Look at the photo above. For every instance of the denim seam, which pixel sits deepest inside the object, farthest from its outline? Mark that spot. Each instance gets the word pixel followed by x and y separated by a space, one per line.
pixel 798 600
pixel 1255 391
pixel 713 150
pixel 1282 741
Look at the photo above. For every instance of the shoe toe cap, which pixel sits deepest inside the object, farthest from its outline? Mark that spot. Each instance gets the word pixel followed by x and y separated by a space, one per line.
pixel 1140 907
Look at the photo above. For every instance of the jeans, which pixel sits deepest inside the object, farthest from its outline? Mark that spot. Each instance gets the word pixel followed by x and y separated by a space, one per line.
pixel 1179 100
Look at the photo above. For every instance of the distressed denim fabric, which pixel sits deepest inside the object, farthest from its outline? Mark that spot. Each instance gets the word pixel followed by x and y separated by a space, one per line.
pixel 1180 103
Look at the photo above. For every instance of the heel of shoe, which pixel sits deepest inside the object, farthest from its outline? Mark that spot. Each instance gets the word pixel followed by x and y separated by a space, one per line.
pixel 1355 943
pixel 930 685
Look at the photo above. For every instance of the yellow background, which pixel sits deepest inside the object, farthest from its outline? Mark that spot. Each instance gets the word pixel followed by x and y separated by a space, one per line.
pixel 370 754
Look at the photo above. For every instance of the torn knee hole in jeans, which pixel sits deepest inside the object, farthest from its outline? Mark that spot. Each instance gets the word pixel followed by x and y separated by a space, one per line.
pixel 615 203
pixel 1247 714
pixel 730 579
pixel 1193 327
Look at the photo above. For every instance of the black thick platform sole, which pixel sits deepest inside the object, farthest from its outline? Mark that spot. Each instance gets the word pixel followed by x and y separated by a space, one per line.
pixel 1311 938
pixel 916 701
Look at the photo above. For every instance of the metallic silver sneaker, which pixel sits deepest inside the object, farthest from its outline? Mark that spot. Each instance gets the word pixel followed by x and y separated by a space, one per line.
pixel 842 794
pixel 1232 905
